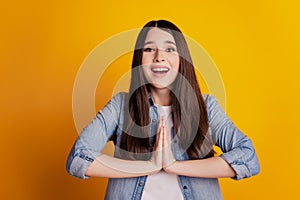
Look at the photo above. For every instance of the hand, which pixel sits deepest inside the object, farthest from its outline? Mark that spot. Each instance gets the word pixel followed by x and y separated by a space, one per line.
pixel 157 155
pixel 168 157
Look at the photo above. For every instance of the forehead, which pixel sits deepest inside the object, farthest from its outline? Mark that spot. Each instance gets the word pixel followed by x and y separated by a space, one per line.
pixel 158 35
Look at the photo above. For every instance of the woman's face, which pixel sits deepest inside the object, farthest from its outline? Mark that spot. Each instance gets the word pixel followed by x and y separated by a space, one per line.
pixel 160 58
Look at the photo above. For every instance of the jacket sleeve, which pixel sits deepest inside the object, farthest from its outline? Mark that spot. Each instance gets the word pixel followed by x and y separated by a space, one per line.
pixel 94 137
pixel 238 150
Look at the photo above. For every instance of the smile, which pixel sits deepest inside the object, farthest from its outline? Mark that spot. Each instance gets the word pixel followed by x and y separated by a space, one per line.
pixel 160 69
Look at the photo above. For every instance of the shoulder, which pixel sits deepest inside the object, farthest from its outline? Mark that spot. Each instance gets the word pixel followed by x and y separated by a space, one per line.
pixel 117 101
pixel 119 97
pixel 209 100
pixel 212 105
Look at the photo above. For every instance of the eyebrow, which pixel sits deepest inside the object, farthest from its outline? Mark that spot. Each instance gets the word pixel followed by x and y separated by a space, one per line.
pixel 167 41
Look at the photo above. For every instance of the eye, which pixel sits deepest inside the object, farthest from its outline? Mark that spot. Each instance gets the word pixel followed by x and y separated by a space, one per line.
pixel 148 49
pixel 170 49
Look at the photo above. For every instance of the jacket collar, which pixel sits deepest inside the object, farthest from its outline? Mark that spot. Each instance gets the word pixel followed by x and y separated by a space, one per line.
pixel 151 101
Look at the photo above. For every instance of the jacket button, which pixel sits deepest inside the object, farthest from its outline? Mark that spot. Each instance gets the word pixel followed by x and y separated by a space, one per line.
pixel 185 187
pixel 140 184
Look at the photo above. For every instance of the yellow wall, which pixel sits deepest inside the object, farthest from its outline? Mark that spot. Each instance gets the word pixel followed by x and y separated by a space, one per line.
pixel 255 45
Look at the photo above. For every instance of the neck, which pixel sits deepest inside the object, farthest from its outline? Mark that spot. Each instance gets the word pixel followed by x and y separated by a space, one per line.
pixel 161 96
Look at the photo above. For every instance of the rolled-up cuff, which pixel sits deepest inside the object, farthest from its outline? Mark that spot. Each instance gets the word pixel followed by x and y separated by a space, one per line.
pixel 80 163
pixel 234 159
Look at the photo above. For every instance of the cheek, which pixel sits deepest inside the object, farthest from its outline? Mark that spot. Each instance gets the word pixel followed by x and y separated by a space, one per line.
pixel 146 59
pixel 176 63
pixel 146 71
pixel 143 60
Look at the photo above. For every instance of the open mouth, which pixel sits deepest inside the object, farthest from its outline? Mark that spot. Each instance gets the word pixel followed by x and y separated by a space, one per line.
pixel 160 70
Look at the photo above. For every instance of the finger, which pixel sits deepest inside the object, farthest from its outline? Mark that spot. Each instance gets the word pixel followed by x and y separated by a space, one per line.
pixel 163 136
pixel 160 124
pixel 159 136
pixel 158 133
pixel 166 138
pixel 168 157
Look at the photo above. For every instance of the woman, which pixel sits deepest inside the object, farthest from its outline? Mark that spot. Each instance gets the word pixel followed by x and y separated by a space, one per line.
pixel 163 130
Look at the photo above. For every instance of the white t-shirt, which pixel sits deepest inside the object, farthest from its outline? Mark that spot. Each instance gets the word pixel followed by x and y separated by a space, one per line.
pixel 163 185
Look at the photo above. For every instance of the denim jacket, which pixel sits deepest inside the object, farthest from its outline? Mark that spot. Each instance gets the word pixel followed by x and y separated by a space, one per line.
pixel 238 151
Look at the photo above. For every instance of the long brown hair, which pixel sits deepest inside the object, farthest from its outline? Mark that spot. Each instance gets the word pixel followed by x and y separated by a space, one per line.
pixel 190 124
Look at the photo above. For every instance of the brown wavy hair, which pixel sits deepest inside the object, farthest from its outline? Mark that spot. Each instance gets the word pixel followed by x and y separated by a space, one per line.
pixel 189 112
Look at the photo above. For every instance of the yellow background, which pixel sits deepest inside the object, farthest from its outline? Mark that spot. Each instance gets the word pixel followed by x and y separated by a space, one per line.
pixel 255 45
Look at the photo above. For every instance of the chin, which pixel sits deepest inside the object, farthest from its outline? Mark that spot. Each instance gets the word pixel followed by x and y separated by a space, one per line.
pixel 161 85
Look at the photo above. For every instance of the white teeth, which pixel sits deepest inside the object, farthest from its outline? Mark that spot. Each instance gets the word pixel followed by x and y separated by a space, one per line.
pixel 160 69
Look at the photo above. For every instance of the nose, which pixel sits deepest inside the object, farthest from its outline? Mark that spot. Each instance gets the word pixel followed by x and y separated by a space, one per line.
pixel 159 57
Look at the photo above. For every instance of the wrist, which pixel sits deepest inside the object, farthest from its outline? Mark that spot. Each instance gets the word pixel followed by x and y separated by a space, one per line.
pixel 172 168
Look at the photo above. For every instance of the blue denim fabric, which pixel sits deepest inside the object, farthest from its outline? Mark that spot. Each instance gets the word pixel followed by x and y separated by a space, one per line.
pixel 237 150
